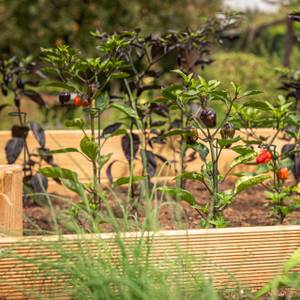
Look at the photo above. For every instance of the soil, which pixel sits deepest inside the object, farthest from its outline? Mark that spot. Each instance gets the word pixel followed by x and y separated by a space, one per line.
pixel 249 209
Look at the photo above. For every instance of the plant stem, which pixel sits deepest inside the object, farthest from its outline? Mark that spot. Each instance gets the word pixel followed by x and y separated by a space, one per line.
pixel 183 144
pixel 94 163
pixel 213 201
pixel 99 146
pixel 130 194
pixel 143 143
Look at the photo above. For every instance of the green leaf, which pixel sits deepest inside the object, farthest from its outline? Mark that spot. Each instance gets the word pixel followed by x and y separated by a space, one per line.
pixel 61 85
pixel 77 123
pixel 242 150
pixel 263 168
pixel 219 95
pixel 192 176
pixel 168 92
pixel 182 74
pixel 249 181
pixel 179 193
pixel 242 159
pixel 257 105
pixel 64 150
pixel 293 261
pixel 200 148
pixel 102 102
pixel 74 185
pixel 125 109
pixel 103 159
pixel 119 75
pixel 225 142
pixel 126 180
pixel 60 173
pixel 89 148
pixel 177 132
pixel 252 92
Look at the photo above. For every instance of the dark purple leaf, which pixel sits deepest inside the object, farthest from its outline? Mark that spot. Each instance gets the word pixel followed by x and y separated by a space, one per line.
pixel 45 154
pixel 160 109
pixel 30 162
pixel 192 156
pixel 176 124
pixel 39 183
pixel 35 97
pixel 158 140
pixel 158 123
pixel 161 158
pixel 125 142
pixel 38 133
pixel 296 167
pixel 151 163
pixel 19 131
pixel 13 148
pixel 109 172
pixel 288 150
pixel 111 129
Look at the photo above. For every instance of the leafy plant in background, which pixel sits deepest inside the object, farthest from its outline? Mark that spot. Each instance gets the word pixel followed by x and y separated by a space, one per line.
pixel 146 58
pixel 194 97
pixel 149 114
pixel 19 79
pixel 87 78
pixel 283 198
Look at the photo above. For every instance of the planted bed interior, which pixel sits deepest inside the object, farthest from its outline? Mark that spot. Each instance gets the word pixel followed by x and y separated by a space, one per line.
pixel 250 209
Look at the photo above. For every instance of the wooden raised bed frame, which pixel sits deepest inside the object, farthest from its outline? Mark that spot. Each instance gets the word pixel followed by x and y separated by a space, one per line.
pixel 248 256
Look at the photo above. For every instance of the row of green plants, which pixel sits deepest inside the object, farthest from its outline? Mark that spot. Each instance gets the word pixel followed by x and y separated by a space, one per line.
pixel 128 75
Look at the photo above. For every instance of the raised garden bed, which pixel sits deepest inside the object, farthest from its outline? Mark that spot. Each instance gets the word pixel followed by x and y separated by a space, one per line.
pixel 247 256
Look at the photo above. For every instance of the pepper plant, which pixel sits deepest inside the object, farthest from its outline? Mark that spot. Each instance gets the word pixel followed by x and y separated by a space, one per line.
pixel 18 80
pixel 88 79
pixel 209 135
pixel 283 198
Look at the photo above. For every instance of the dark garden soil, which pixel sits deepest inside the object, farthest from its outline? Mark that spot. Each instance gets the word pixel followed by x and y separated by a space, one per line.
pixel 249 209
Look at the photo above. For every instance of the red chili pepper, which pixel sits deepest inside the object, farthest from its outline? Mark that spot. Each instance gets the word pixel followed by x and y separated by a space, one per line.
pixel 264 157
pixel 77 101
pixel 283 173
pixel 85 103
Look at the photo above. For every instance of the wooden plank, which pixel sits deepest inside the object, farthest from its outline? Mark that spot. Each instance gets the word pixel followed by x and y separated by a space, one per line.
pixel 249 256
pixel 11 203
pixel 74 161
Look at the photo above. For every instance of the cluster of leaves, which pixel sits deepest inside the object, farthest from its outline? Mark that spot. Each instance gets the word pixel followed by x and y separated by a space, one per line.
pixel 19 79
pixel 132 63
pixel 127 75
pixel 70 22
pixel 201 133
pixel 281 116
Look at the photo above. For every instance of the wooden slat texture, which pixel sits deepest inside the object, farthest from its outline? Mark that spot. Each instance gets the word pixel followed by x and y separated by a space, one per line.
pixel 248 256
pixel 11 204
pixel 74 161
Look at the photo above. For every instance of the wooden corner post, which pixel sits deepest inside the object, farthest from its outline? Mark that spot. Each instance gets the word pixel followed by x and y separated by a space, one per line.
pixel 11 201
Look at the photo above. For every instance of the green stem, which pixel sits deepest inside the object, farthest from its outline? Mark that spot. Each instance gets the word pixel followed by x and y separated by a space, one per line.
pixel 213 200
pixel 183 145
pixel 99 147
pixel 143 144
pixel 94 163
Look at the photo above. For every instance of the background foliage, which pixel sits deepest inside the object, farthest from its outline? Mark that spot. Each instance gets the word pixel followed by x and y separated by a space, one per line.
pixel 250 56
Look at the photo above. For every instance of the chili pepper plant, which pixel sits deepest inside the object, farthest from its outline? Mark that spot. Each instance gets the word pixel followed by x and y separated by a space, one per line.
pixel 88 79
pixel 209 134
pixel 283 198
pixel 19 79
